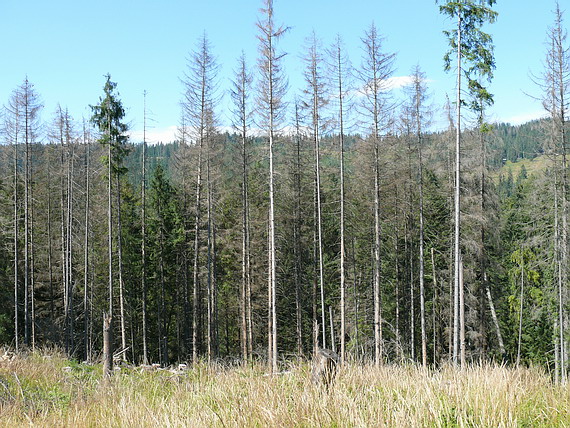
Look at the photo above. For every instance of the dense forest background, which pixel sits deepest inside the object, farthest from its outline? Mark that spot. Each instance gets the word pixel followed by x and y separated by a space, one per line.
pixel 173 239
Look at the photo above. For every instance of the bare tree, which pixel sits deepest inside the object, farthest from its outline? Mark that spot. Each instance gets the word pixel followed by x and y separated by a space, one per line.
pixel 12 124
pixel 24 109
pixel 198 104
pixel 272 88
pixel 376 69
pixel 555 83
pixel 86 247
pixel 316 99
pixel 340 70
pixel 240 93
pixel 420 119
pixel 297 223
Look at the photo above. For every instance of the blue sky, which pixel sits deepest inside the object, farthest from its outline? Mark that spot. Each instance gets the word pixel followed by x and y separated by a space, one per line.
pixel 65 47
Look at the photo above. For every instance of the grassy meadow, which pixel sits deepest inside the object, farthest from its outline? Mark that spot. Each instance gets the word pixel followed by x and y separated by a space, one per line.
pixel 46 390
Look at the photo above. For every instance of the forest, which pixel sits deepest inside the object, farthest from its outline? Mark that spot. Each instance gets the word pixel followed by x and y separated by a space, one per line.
pixel 337 217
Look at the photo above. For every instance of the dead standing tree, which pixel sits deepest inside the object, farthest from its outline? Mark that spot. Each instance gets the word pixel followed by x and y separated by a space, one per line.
pixel 376 69
pixel 271 108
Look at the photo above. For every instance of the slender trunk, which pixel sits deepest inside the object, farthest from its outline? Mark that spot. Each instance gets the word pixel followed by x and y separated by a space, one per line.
pixel 63 207
pixel 27 136
pixel 421 243
pixel 315 269
pixel 319 217
pixel 378 345
pixel 271 99
pixel 458 294
pixel 519 343
pixel 108 318
pixel 377 299
pixel 210 290
pixel 248 293
pixel 342 212
pixel 397 296
pixel 143 243
pixel 412 302
pixel 186 275
pixel 163 319
pixel 495 319
pixel 16 245
pixel 483 257
pixel 32 264
pixel 556 354
pixel 435 305
pixel 69 246
pixel 313 77
pixel 451 261
pixel 215 332
pixel 333 342
pixel 355 296
pixel 297 235
pixel 196 268
pixel 560 282
pixel 120 272
pixel 272 251
pixel 50 249
pixel 564 243
pixel 461 314
pixel 86 318
pixel 244 249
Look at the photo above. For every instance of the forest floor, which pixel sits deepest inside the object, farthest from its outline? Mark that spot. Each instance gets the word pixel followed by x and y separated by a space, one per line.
pixel 45 389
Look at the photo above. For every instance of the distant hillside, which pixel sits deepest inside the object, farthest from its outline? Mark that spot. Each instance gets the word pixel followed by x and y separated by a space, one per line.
pixel 526 166
pixel 517 142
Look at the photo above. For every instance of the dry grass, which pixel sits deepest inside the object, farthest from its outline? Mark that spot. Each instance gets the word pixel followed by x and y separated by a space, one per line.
pixel 532 166
pixel 38 391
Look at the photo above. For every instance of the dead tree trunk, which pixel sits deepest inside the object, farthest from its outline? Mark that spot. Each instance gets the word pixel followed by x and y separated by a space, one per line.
pixel 107 346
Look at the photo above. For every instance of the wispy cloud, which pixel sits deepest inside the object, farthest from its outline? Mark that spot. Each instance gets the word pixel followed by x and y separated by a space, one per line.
pixel 390 84
pixel 524 117
pixel 398 82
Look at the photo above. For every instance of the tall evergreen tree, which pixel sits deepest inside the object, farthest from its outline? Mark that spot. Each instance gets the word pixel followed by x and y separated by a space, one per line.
pixel 474 58
pixel 108 116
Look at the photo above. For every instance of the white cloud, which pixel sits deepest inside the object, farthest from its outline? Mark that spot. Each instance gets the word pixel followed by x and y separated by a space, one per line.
pixel 155 135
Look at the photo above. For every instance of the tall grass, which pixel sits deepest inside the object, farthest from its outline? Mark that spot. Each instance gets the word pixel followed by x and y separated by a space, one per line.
pixel 53 392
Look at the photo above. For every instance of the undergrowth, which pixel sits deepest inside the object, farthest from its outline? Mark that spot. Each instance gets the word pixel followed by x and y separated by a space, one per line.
pixel 45 389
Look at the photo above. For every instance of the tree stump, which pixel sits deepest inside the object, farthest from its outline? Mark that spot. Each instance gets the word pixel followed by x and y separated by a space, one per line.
pixel 325 364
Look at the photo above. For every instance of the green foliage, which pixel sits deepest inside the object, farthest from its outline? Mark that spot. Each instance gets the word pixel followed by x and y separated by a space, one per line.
pixel 108 117
pixel 165 234
pixel 476 47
